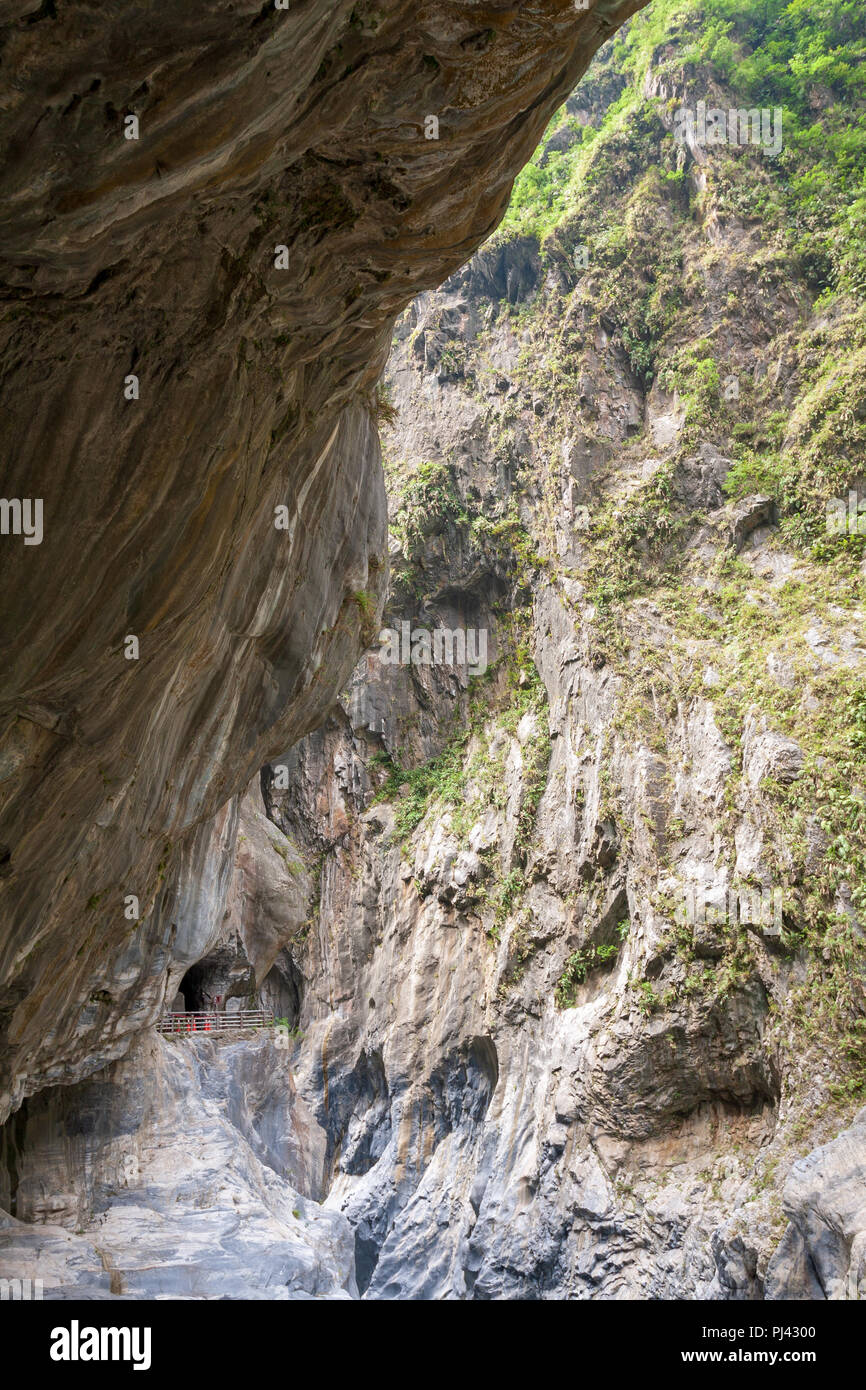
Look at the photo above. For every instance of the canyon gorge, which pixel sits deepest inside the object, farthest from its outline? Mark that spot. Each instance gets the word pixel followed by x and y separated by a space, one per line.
pixel 601 417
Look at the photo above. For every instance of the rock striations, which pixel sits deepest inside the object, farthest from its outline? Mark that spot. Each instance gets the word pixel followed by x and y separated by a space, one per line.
pixel 565 945
pixel 169 379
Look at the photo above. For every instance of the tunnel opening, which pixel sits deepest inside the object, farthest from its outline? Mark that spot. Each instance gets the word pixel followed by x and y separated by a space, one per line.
pixel 217 979
pixel 224 981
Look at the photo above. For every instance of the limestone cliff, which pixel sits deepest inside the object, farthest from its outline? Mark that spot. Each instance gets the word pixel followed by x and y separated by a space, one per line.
pixel 515 1061
pixel 539 1072
pixel 170 377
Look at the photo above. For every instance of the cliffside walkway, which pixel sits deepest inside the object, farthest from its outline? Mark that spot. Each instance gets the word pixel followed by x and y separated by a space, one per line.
pixel 202 1022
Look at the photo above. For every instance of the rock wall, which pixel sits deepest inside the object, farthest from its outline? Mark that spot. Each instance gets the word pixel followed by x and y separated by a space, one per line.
pixel 170 378
pixel 516 1063
pixel 538 1073
pixel 164 1176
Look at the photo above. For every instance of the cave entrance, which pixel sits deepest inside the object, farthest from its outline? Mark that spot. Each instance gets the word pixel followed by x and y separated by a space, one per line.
pixel 225 982
pixel 209 985
pixel 195 996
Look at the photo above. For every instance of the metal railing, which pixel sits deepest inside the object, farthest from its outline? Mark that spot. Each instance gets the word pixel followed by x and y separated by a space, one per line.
pixel 203 1022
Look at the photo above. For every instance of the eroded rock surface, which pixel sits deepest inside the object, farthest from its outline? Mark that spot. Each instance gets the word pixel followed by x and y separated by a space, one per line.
pixel 155 258
pixel 570 954
pixel 538 1071
pixel 823 1251
pixel 163 1177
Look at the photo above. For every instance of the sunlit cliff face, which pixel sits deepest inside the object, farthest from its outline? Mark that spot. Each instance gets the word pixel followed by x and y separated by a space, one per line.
pixel 209 220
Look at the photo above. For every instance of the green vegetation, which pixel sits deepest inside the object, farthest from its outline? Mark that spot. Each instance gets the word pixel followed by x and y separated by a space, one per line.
pixel 653 281
pixel 693 373
pixel 426 503
pixel 616 186
pixel 386 412
pixel 805 57
pixel 282 1025
pixel 809 456
pixel 366 604
pixel 542 189
pixel 650 277
pixel 631 542
pixel 468 776
pixel 616 189
pixel 441 780
pixel 578 966
pixel 507 533
pixel 428 495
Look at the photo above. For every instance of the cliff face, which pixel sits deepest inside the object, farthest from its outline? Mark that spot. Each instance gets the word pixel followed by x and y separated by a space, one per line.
pixel 166 1176
pixel 539 1069
pixel 569 950
pixel 170 379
